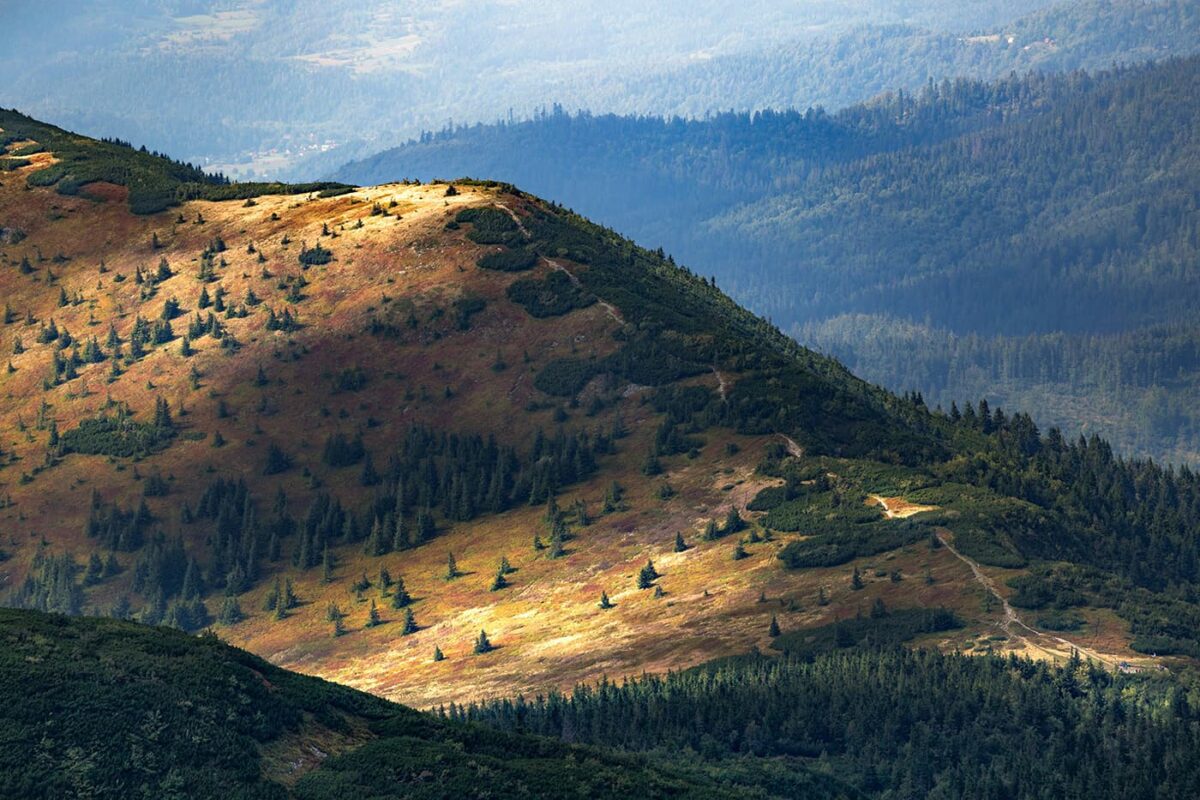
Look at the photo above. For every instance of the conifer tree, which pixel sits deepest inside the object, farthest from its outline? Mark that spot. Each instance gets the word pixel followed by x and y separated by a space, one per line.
pixel 604 601
pixel 647 576
pixel 499 582
pixel 437 651
pixel 410 623
pixel 773 628
pixel 326 566
pixel 856 581
pixel 400 595
pixel 372 616
pixel 451 567
pixel 680 544
pixel 483 644
pixel 231 612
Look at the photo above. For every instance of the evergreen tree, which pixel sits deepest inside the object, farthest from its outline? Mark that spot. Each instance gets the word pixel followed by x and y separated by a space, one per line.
pixel 773 628
pixel 372 616
pixel 410 623
pixel 499 582
pixel 604 601
pixel 231 612
pixel 483 644
pixel 856 581
pixel 680 544
pixel 437 654
pixel 451 567
pixel 400 595
pixel 647 576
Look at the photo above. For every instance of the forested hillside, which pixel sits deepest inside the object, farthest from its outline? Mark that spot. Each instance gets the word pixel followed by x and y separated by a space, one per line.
pixel 419 437
pixel 1026 207
pixel 99 708
pixel 893 723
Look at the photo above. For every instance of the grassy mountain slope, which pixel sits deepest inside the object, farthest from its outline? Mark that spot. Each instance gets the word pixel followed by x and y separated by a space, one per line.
pixel 294 402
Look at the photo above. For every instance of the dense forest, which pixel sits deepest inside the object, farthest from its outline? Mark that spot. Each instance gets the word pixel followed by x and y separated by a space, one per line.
pixel 970 210
pixel 123 710
pixel 160 710
pixel 893 723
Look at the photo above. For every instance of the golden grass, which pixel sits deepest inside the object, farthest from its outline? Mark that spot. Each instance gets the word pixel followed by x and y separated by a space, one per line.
pixel 549 630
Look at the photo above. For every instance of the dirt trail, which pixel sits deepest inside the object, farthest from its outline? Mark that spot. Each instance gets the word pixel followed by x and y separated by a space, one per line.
pixel 722 385
pixel 609 307
pixel 1013 620
pixel 794 450
pixel 515 218
pixel 612 310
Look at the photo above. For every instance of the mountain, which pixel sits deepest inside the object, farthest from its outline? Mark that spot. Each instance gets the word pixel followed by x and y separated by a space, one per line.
pixel 102 708
pixel 976 239
pixel 98 708
pixel 351 429
pixel 257 87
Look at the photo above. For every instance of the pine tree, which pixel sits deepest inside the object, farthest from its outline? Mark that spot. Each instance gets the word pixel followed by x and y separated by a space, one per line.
pixel 733 522
pixel 499 582
pixel 372 616
pixel 326 567
pixel 680 544
pixel 822 598
pixel 339 628
pixel 604 601
pixel 483 644
pixel 856 581
pixel 231 612
pixel 451 567
pixel 437 654
pixel 647 576
pixel 400 596
pixel 410 623
pixel 773 628
pixel 739 552
pixel 274 597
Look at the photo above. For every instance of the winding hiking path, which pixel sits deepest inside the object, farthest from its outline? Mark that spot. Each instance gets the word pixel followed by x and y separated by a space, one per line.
pixel 1013 620
pixel 612 310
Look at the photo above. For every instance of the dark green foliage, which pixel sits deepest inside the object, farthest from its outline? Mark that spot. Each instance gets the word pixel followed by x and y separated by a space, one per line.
pixel 117 434
pixel 315 256
pixel 552 296
pixel 509 260
pixel 210 710
pixel 341 451
pixel 490 226
pixel 277 460
pixel 210 706
pixel 465 308
pixel 155 182
pixel 565 377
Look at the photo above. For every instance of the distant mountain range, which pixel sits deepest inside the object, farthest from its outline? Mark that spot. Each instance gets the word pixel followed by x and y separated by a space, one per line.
pixel 267 89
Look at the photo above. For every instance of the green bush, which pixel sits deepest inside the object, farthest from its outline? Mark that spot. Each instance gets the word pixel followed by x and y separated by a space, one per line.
pixel 553 296
pixel 509 260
